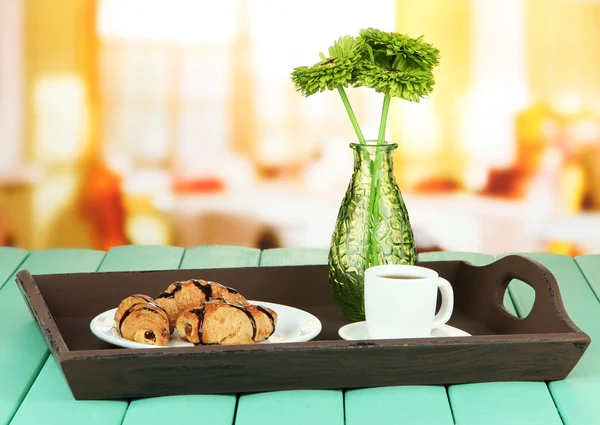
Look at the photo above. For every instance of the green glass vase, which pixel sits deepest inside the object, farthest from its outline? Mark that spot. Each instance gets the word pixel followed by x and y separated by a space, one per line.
pixel 372 227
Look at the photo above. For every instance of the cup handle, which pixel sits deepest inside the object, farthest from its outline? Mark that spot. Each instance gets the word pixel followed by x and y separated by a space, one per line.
pixel 447 303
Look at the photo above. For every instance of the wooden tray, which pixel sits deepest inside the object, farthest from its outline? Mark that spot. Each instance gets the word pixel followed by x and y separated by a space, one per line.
pixel 545 345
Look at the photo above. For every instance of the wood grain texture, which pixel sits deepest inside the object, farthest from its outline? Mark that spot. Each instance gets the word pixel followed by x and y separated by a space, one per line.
pixel 207 256
pixel 324 366
pixel 590 267
pixel 142 257
pixel 186 410
pixel 293 257
pixel 474 258
pixel 50 401
pixel 577 396
pixel 50 395
pixel 499 402
pixel 10 258
pixel 292 407
pixel 518 396
pixel 518 403
pixel 531 403
pixel 23 349
pixel 502 403
pixel 216 409
pixel 502 347
pixel 419 405
pixel 413 404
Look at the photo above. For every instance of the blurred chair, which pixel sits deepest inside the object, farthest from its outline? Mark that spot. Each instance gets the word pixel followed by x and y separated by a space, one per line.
pixel 102 206
pixel 216 228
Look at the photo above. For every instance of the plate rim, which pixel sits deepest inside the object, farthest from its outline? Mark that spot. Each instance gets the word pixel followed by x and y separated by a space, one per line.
pixel 363 322
pixel 318 328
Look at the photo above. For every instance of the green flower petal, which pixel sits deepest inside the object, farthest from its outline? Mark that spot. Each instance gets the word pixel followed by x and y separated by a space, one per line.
pixel 411 84
pixel 337 69
pixel 390 46
pixel 390 63
pixel 400 66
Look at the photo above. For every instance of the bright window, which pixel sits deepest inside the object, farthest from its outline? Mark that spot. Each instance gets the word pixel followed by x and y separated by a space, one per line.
pixel 177 76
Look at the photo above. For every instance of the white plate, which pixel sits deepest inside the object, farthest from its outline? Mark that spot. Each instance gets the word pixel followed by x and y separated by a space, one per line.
pixel 358 330
pixel 293 325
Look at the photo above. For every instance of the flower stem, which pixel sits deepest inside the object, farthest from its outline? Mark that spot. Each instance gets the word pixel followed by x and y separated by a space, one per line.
pixel 359 134
pixel 383 122
pixel 385 109
pixel 373 252
pixel 372 244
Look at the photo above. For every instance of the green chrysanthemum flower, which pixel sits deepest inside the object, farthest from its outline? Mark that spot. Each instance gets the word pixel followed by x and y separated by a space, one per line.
pixel 399 66
pixel 388 47
pixel 393 64
pixel 339 69
pixel 410 84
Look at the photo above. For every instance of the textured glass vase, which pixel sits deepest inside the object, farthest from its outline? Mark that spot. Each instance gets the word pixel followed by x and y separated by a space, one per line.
pixel 372 227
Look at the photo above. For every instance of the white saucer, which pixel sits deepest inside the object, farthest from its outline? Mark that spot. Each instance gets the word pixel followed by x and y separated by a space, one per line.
pixel 358 330
pixel 293 325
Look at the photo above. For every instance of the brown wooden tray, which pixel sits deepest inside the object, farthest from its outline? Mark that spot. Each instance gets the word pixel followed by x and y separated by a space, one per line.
pixel 546 345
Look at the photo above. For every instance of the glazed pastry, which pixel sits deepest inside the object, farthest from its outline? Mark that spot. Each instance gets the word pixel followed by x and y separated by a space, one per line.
pixel 221 322
pixel 130 301
pixel 265 319
pixel 182 296
pixel 139 319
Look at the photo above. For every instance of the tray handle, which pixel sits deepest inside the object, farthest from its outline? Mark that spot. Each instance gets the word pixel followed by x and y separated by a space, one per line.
pixel 480 292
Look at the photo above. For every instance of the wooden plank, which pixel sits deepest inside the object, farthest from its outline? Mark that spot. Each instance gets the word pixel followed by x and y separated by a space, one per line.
pixel 23 348
pixel 474 258
pixel 142 257
pixel 49 401
pixel 504 402
pixel 206 409
pixel 424 405
pixel 298 257
pixel 188 410
pixel 577 396
pixel 50 396
pixel 501 403
pixel 206 257
pixel 10 259
pixel 416 404
pixel 292 407
pixel 410 404
pixel 590 267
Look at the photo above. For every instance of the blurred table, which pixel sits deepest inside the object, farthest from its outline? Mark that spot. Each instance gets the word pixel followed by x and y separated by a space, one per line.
pixel 582 229
pixel 35 392
pixel 304 217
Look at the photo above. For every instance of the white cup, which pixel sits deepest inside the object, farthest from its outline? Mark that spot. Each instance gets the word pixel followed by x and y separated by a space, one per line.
pixel 400 301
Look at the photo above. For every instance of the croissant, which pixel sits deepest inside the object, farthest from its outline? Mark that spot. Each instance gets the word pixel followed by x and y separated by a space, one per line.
pixel 221 322
pixel 139 319
pixel 184 295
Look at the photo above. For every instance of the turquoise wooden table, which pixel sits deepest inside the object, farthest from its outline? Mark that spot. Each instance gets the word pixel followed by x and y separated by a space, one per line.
pixel 33 390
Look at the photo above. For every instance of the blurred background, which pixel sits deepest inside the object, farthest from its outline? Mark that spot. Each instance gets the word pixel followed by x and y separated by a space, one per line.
pixel 175 122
